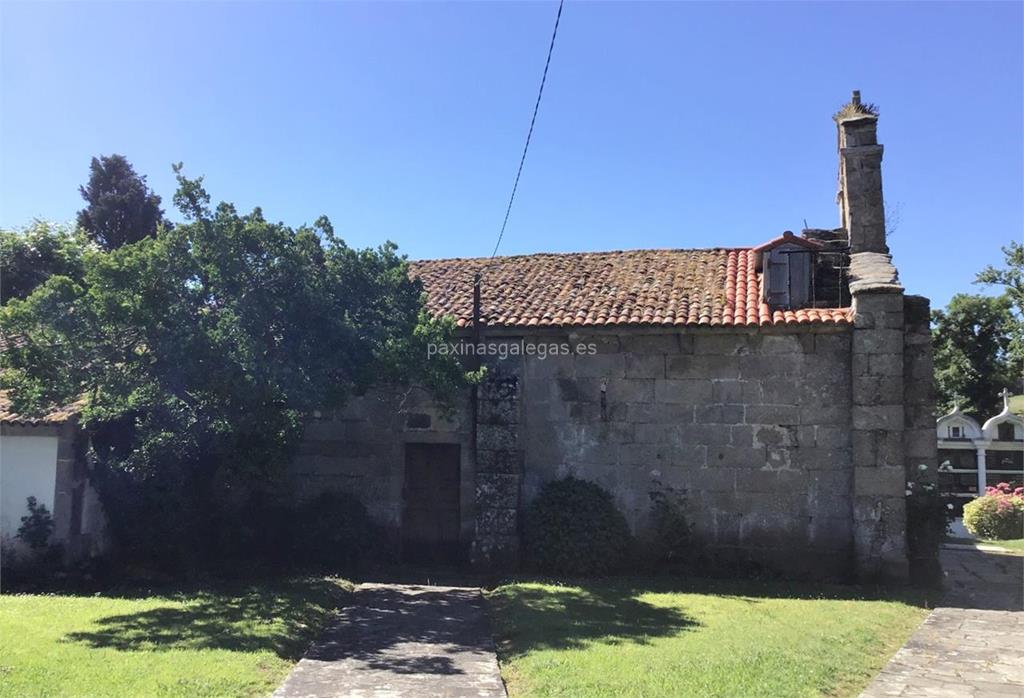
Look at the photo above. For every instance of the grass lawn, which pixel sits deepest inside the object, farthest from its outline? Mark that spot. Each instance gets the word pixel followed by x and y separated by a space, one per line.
pixel 238 642
pixel 1015 545
pixel 673 638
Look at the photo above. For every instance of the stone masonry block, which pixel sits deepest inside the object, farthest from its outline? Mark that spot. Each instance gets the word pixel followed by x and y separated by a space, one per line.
pixel 879 302
pixel 774 481
pixel 576 389
pixel 715 479
pixel 914 339
pixel 643 455
pixel 831 436
pixel 772 414
pixel 497 491
pixel 920 445
pixel 601 366
pixel 822 414
pixel 734 457
pixel 497 522
pixel 877 390
pixel 919 370
pixel 654 433
pixel 645 365
pixel 888 417
pixel 775 436
pixel 631 390
pixel 727 391
pixel 916 311
pixel 784 344
pixel 864 320
pixel 721 344
pixel 603 343
pixel 500 387
pixel 887 481
pixel 741 435
pixel 885 364
pixel 818 458
pixel 877 447
pixel 686 392
pixel 832 344
pixel 702 367
pixel 549 368
pixel 508 462
pixel 878 341
pixel 681 435
pixel 758 367
pixel 781 391
pixel 659 412
pixel 719 414
pixel 498 411
pixel 497 437
pixel 656 344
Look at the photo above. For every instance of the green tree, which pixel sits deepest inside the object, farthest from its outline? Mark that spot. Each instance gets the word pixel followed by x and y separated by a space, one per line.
pixel 31 255
pixel 201 349
pixel 972 340
pixel 120 207
pixel 1011 278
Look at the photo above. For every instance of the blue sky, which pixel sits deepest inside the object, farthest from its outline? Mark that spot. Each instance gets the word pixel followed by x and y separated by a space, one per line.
pixel 663 124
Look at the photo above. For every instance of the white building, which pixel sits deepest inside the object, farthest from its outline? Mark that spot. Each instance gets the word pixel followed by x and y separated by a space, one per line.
pixel 973 456
pixel 44 458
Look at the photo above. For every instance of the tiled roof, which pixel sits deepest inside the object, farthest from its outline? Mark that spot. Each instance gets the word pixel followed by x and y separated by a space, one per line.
pixel 637 287
pixel 55 416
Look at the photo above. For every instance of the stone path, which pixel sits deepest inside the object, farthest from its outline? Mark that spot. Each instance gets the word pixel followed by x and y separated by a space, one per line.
pixel 978 579
pixel 959 653
pixel 973 648
pixel 402 640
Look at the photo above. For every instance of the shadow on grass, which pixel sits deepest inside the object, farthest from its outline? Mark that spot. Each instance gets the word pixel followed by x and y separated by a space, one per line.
pixel 530 618
pixel 612 611
pixel 282 618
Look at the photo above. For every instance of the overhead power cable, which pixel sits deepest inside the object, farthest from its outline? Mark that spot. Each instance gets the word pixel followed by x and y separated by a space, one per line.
pixel 529 134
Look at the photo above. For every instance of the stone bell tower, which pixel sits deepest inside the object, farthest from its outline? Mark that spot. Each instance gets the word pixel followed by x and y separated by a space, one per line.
pixel 879 473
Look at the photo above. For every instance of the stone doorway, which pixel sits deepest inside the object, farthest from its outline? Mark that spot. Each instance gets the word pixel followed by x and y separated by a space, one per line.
pixel 430 504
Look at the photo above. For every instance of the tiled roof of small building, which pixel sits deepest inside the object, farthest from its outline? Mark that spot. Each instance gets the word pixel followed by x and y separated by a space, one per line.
pixel 55 416
pixel 592 289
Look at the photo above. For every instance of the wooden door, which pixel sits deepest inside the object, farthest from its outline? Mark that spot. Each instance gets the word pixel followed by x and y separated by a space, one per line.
pixel 430 511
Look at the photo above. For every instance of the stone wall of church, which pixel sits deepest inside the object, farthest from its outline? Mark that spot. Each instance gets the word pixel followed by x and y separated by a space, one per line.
pixel 750 427
pixel 759 430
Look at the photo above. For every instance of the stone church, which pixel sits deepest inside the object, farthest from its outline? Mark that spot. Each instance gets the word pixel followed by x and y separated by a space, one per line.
pixel 784 388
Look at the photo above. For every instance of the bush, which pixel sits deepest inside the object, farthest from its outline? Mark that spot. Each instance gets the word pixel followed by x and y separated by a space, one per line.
pixel 999 514
pixel 333 531
pixel 37 527
pixel 573 528
pixel 669 543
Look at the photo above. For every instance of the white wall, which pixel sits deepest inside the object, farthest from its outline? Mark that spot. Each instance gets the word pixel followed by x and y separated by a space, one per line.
pixel 28 467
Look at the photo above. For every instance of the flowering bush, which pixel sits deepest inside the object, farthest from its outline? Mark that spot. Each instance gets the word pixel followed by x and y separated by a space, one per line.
pixel 998 514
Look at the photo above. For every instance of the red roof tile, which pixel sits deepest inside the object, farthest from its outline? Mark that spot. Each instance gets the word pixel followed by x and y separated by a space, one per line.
pixel 591 289
pixel 55 416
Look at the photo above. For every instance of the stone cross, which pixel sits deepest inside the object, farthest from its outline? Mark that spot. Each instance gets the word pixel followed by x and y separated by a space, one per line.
pixel 1006 397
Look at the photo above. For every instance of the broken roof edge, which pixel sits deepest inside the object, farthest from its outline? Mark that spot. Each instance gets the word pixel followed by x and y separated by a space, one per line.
pixel 788 237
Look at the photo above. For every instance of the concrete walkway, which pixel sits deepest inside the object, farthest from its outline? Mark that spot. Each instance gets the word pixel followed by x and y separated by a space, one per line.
pixel 958 653
pixel 399 640
pixel 973 648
